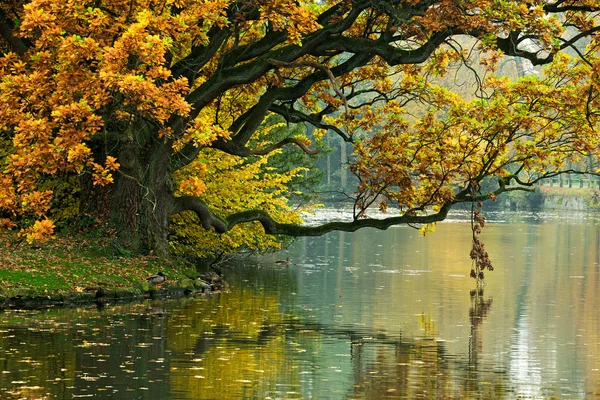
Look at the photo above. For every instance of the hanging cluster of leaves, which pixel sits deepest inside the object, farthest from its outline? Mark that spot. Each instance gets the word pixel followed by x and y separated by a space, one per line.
pixel 165 101
pixel 479 256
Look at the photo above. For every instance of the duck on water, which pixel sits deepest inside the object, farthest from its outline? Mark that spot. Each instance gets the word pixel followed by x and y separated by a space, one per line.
pixel 283 262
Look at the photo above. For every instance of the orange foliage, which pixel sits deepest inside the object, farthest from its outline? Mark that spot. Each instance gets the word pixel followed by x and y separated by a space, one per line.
pixel 90 81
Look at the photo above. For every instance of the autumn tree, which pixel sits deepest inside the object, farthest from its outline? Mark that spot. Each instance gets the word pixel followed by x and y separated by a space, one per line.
pixel 145 100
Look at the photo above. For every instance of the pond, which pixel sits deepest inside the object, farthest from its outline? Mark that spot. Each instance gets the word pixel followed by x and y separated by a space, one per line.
pixel 368 315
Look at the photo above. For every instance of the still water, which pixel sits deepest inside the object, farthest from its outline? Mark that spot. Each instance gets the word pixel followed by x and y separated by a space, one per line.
pixel 368 315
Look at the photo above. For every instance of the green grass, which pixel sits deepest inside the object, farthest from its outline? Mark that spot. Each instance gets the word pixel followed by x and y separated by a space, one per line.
pixel 63 265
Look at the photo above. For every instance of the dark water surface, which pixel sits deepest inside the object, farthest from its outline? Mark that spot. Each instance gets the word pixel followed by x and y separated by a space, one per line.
pixel 368 315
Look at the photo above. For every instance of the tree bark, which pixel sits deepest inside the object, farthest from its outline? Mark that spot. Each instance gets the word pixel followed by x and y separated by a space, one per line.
pixel 125 207
pixel 140 199
pixel 157 203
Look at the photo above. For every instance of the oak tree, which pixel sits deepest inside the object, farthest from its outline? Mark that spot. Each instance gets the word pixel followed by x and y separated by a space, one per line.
pixel 151 103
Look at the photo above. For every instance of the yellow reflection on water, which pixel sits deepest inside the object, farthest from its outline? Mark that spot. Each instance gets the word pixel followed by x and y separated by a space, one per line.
pixel 230 349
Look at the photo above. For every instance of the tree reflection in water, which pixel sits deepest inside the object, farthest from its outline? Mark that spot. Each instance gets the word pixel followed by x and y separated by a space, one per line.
pixel 341 322
pixel 477 313
pixel 240 347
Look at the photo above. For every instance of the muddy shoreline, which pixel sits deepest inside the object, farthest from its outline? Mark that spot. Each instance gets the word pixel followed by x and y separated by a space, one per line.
pixel 30 300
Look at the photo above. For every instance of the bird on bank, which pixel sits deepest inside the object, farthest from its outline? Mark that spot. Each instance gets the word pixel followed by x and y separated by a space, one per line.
pixel 157 279
pixel 212 277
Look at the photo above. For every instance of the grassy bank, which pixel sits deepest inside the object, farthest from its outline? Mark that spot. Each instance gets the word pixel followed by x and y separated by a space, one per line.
pixel 68 267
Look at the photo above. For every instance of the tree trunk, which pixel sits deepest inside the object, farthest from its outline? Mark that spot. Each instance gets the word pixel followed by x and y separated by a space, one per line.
pixel 125 202
pixel 159 201
pixel 140 199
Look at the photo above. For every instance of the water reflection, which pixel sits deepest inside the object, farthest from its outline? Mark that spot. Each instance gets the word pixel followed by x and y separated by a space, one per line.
pixel 369 315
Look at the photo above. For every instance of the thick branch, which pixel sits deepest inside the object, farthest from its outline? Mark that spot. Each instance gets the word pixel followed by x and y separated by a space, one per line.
pixel 275 228
pixel 295 116
pixel 199 56
pixel 253 50
pixel 509 46
pixel 206 217
pixel 582 35
pixel 391 54
pixel 247 123
pixel 221 225
pixel 185 156
pixel 227 77
pixel 209 220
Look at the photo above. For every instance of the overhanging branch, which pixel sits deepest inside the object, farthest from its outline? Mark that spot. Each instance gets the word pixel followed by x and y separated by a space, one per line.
pixel 275 228
pixel 558 7
pixel 209 220
pixel 221 225
pixel 393 55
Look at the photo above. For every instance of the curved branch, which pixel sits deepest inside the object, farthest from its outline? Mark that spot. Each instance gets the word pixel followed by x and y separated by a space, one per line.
pixel 255 115
pixel 315 65
pixel 552 175
pixel 206 217
pixel 299 143
pixel 227 76
pixel 588 111
pixel 509 46
pixel 190 65
pixel 275 228
pixel 185 156
pixel 209 220
pixel 295 116
pixel 582 56
pixel 582 35
pixel 191 151
pixel 392 55
pixel 248 122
